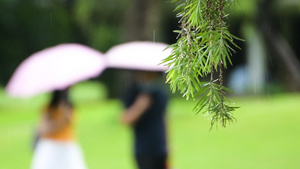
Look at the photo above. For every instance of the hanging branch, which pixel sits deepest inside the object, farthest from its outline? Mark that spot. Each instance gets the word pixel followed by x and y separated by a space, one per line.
pixel 203 47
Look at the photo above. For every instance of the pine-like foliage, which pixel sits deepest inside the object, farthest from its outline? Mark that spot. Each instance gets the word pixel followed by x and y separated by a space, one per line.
pixel 203 49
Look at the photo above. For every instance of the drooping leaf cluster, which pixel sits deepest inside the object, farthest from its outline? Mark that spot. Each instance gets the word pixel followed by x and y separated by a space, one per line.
pixel 204 47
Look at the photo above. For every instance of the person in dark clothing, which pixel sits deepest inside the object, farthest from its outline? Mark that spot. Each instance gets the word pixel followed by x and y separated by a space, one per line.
pixel 146 104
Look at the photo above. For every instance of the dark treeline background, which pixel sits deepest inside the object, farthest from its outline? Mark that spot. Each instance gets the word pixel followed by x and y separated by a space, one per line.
pixel 32 25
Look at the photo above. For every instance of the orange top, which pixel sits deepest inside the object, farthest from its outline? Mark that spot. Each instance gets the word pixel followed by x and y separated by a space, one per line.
pixel 59 123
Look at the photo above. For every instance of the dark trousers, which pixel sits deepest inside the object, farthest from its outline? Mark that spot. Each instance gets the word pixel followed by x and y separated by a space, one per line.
pixel 145 161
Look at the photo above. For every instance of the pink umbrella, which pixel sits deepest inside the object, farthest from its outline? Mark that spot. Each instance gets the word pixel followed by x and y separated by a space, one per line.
pixel 55 68
pixel 138 55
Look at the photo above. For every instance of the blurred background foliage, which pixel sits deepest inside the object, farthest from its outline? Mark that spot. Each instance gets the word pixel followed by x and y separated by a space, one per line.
pixel 29 26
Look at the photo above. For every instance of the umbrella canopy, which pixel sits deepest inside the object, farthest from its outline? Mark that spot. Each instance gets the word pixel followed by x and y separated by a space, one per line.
pixel 138 55
pixel 55 68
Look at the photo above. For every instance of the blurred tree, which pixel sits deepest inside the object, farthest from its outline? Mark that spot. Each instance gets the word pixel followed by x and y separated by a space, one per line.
pixel 141 22
pixel 29 26
pixel 276 24
pixel 101 21
pixel 288 60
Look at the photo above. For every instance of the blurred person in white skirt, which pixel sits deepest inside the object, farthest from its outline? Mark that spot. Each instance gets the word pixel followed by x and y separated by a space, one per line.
pixel 56 147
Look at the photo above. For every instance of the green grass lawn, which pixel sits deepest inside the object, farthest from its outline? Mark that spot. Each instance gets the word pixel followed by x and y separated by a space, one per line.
pixel 265 135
